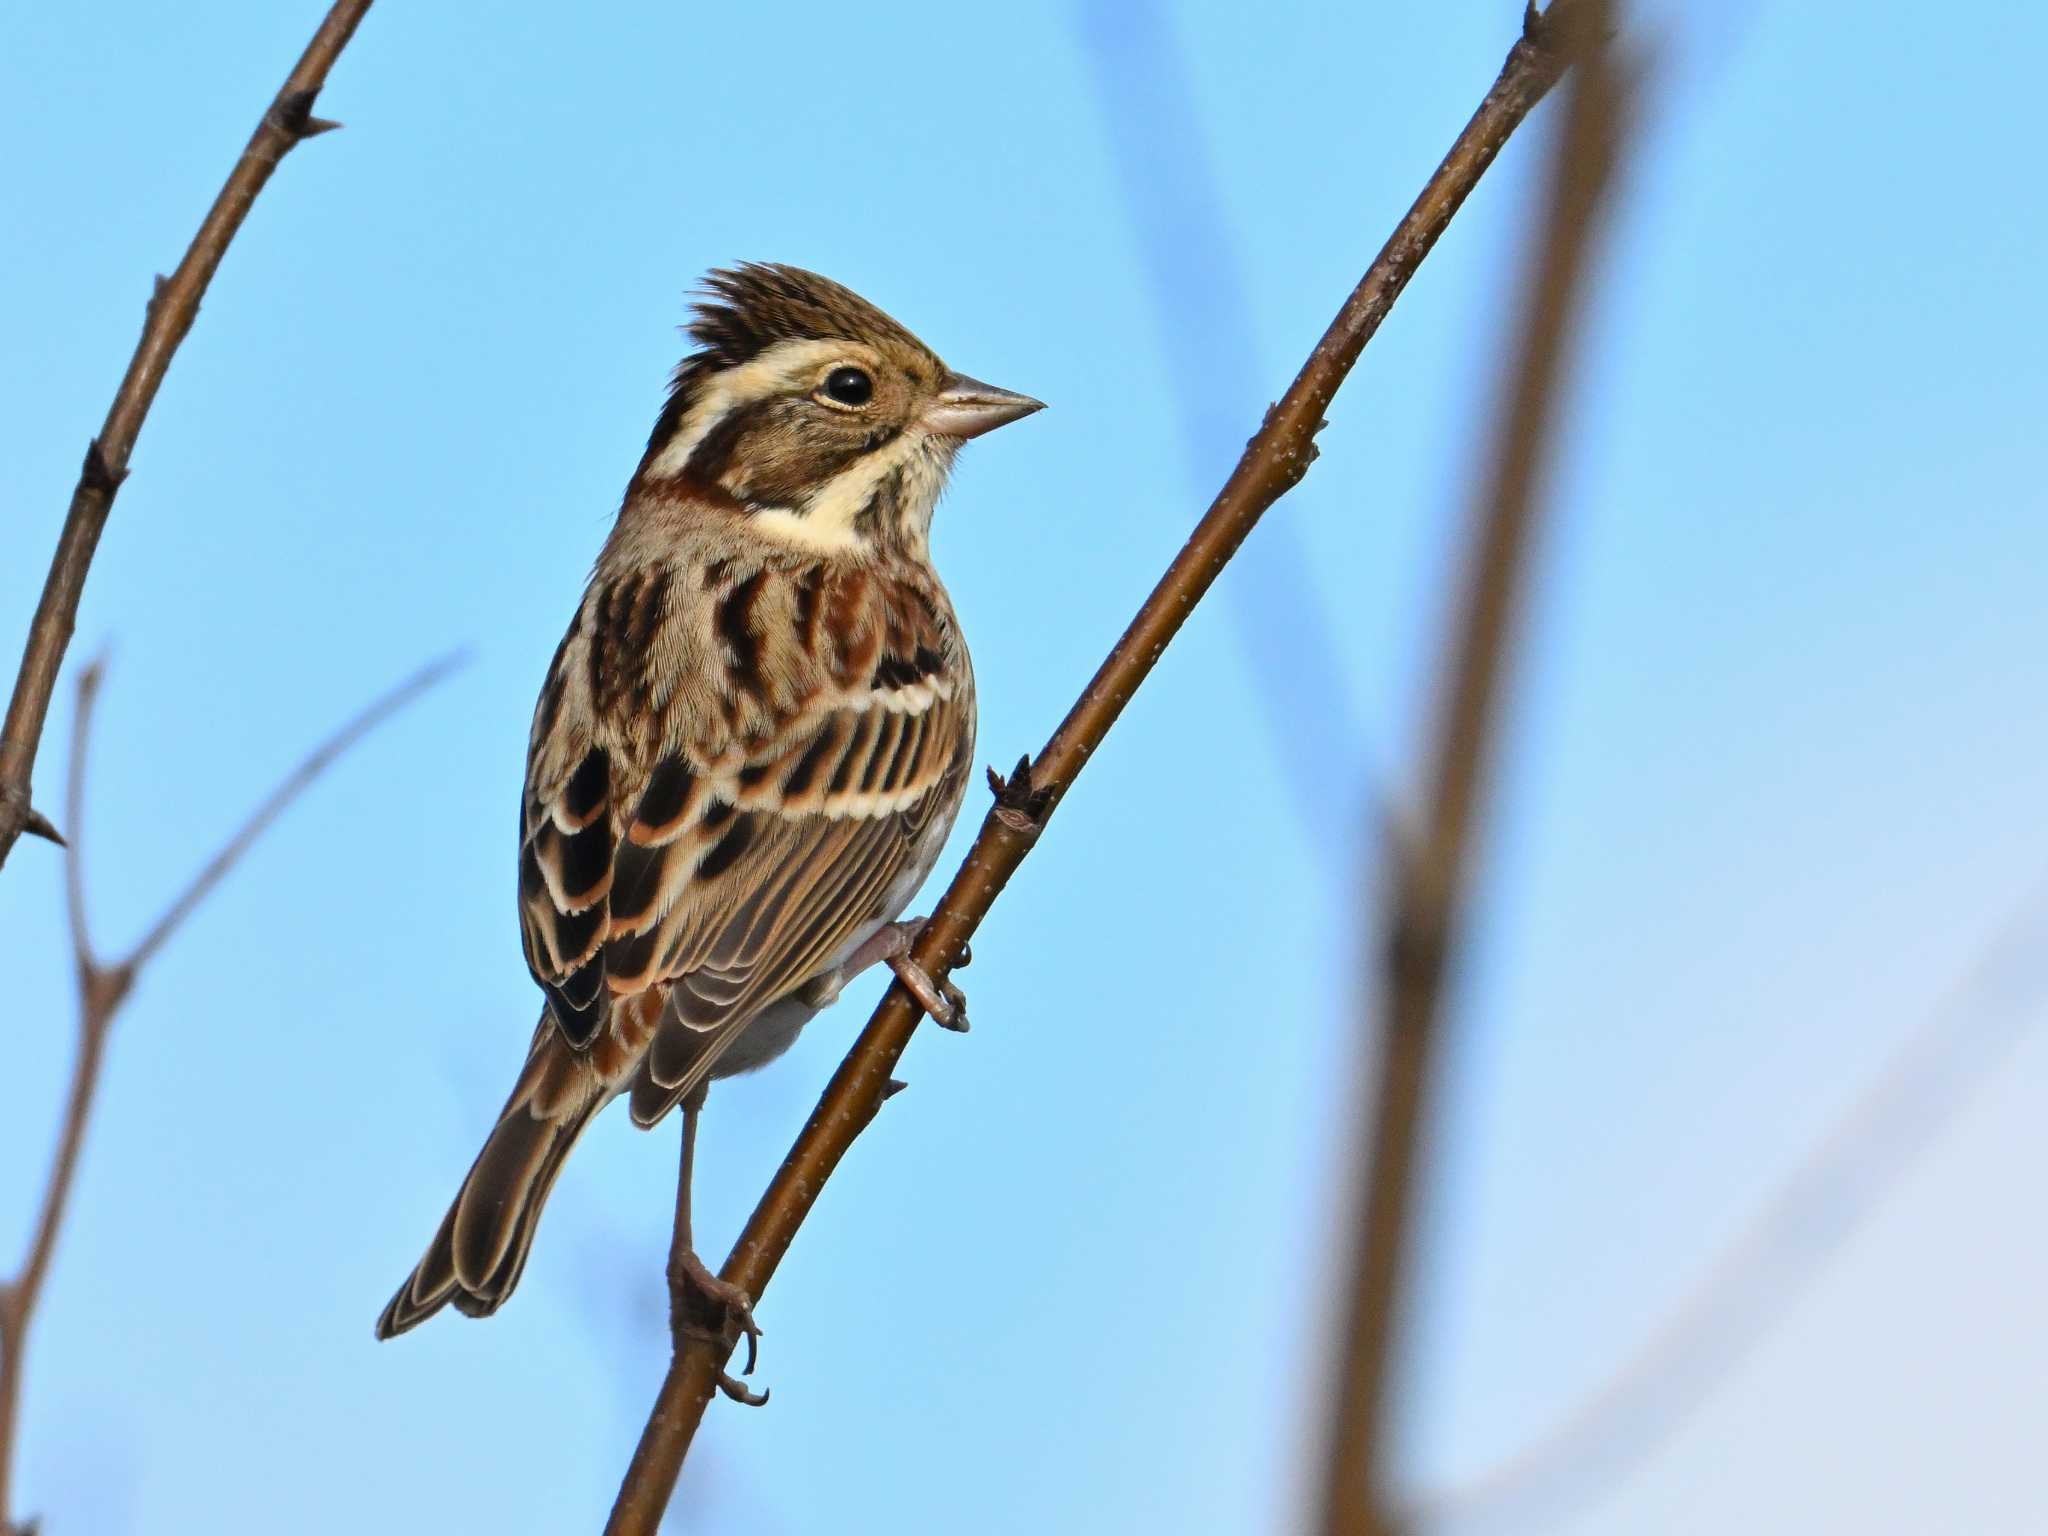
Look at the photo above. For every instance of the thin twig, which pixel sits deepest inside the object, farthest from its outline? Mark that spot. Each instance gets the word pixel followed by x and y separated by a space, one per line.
pixel 289 790
pixel 1755 1280
pixel 1204 310
pixel 103 987
pixel 172 308
pixel 1276 458
pixel 1425 882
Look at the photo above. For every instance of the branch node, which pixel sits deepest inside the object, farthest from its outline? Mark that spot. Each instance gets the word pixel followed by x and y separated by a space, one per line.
pixel 16 809
pixel 98 477
pixel 1020 805
pixel 292 115
pixel 103 988
pixel 169 317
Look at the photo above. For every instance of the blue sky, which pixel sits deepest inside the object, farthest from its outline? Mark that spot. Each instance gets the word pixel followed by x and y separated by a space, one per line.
pixel 1772 778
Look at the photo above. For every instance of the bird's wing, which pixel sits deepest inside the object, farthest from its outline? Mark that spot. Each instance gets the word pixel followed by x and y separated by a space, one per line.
pixel 763 838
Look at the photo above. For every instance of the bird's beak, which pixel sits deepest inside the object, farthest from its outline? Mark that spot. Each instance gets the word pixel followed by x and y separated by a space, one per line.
pixel 967 408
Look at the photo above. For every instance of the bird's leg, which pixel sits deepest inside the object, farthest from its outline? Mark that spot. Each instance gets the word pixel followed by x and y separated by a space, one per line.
pixel 690 1279
pixel 890 945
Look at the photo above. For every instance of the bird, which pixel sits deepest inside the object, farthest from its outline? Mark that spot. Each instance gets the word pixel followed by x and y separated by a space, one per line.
pixel 750 747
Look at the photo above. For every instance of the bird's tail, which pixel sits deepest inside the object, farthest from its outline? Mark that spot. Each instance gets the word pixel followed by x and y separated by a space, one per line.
pixel 475 1258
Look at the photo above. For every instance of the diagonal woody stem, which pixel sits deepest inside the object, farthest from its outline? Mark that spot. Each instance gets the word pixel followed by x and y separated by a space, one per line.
pixel 1274 461
pixel 1426 880
pixel 102 988
pixel 172 308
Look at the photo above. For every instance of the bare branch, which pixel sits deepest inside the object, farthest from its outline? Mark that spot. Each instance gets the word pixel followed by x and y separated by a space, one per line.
pixel 1425 884
pixel 173 306
pixel 1275 459
pixel 1204 313
pixel 102 988
pixel 259 821
pixel 74 809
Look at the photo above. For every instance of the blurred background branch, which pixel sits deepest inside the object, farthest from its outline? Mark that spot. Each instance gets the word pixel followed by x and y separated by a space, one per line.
pixel 1769 778
pixel 1424 885
pixel 104 985
pixel 173 306
pixel 1638 1409
pixel 1274 461
pixel 1203 317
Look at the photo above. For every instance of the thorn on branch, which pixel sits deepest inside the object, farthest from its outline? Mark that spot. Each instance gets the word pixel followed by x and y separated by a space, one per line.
pixel 98 476
pixel 16 811
pixel 292 115
pixel 891 1088
pixel 35 821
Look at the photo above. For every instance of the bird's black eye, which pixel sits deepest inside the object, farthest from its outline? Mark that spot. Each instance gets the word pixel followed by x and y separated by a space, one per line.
pixel 849 386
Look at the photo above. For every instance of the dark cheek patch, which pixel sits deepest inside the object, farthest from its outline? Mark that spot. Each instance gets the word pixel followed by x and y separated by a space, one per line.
pixel 778 452
pixel 720 448
pixel 799 460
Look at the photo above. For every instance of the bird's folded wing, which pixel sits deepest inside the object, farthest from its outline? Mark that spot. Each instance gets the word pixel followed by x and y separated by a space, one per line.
pixel 735 875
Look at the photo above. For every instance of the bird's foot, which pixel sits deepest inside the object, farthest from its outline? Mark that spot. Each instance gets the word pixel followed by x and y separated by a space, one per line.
pixel 724 1314
pixel 945 1002
pixel 890 945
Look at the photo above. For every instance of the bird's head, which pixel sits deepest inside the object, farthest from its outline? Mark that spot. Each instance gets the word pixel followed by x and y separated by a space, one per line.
pixel 828 424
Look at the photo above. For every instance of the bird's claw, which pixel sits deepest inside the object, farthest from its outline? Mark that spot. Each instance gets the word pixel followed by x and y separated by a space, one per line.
pixel 740 1392
pixel 946 1003
pixel 735 1312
